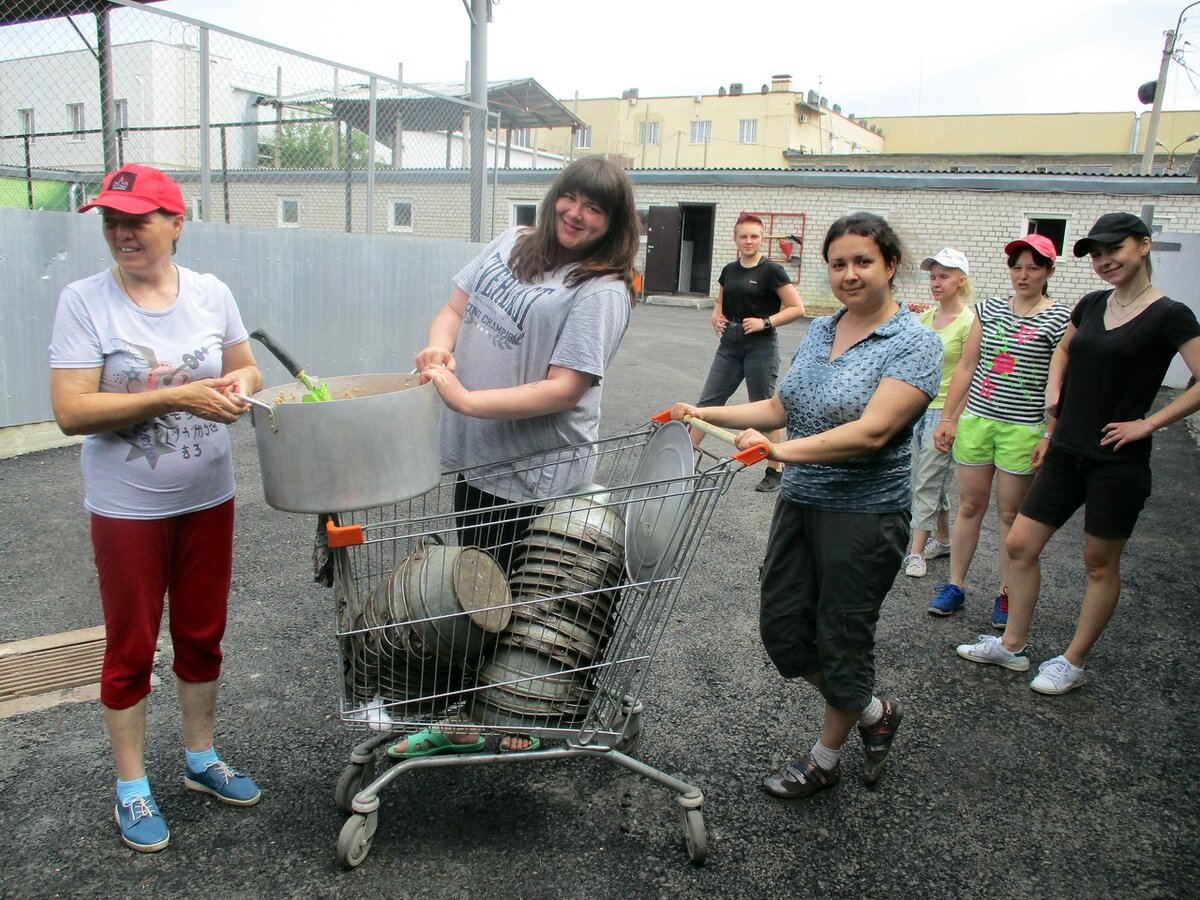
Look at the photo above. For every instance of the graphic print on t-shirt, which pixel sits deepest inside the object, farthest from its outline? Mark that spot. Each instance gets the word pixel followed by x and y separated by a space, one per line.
pixel 140 370
pixel 511 296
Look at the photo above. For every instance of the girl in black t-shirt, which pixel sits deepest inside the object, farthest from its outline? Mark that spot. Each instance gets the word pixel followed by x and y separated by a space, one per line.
pixel 1103 380
pixel 756 297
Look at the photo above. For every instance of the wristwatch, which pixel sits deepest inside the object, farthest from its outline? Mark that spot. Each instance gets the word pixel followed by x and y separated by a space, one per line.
pixel 767 323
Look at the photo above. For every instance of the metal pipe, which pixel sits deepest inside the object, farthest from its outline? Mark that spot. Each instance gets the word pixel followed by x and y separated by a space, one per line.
pixel 480 15
pixel 372 118
pixel 205 149
pixel 107 107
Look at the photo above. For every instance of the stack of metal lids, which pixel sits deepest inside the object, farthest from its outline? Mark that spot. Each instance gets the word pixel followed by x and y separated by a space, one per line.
pixel 564 585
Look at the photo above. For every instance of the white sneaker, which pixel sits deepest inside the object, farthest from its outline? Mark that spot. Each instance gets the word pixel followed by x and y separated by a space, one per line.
pixel 914 565
pixel 988 649
pixel 935 549
pixel 1057 676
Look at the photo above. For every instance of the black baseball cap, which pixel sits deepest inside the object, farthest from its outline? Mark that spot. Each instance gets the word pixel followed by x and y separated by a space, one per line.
pixel 1111 228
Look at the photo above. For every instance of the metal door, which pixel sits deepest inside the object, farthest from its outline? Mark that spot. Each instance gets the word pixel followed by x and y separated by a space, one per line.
pixel 664 232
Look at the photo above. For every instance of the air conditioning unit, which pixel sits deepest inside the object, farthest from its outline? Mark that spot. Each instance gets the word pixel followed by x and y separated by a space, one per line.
pixel 696 99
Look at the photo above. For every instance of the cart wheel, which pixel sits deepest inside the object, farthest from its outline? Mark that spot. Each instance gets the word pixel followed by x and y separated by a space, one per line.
pixel 694 836
pixel 630 742
pixel 354 841
pixel 349 783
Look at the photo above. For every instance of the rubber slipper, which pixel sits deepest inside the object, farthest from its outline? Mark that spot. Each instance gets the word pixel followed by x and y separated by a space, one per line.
pixel 432 742
pixel 534 743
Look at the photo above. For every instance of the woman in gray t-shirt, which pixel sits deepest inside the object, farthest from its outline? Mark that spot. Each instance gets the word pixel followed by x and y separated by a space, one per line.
pixel 518 356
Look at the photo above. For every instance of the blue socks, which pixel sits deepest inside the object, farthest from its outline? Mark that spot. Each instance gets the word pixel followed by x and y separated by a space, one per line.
pixel 196 762
pixel 127 790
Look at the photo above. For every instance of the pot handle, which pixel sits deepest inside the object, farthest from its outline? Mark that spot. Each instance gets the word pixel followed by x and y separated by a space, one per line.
pixel 267 406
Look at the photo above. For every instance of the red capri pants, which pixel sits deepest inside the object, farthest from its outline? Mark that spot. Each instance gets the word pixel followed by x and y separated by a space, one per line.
pixel 140 561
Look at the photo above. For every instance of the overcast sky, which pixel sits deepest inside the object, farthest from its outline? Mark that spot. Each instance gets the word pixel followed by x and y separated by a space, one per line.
pixel 873 57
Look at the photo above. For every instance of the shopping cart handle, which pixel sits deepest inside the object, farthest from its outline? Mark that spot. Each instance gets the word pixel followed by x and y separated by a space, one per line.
pixel 747 457
pixel 343 535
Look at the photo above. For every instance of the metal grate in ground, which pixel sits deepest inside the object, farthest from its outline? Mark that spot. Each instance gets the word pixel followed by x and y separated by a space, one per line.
pixel 45 671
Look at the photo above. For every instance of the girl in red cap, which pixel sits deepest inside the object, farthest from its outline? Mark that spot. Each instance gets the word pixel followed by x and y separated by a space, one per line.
pixel 1106 373
pixel 145 359
pixel 995 417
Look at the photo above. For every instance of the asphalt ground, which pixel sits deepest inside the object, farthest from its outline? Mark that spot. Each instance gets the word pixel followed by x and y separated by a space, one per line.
pixel 992 790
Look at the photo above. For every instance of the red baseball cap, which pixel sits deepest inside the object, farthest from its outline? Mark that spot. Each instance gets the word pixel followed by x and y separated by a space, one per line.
pixel 138 190
pixel 1038 243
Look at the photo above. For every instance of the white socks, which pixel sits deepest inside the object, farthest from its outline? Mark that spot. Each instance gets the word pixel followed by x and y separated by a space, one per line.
pixel 872 714
pixel 824 757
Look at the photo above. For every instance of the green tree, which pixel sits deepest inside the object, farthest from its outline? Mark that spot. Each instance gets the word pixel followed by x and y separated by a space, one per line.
pixel 309 145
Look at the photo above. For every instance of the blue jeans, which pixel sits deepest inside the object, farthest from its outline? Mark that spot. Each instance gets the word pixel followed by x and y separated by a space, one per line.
pixel 753 358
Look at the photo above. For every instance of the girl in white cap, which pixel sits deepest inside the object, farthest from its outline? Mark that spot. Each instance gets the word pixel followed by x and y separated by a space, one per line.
pixel 933 470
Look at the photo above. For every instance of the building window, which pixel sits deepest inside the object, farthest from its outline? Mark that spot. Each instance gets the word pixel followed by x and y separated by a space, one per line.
pixel 521 137
pixel 583 139
pixel 27 125
pixel 701 132
pixel 524 213
pixel 748 131
pixel 196 211
pixel 122 111
pixel 643 214
pixel 1052 226
pixel 647 133
pixel 402 216
pixel 289 212
pixel 75 117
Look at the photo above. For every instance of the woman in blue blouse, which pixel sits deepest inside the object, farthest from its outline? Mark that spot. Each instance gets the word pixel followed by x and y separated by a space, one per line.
pixel 858 382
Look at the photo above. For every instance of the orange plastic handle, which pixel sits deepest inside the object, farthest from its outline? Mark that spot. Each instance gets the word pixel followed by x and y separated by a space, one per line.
pixel 343 535
pixel 747 457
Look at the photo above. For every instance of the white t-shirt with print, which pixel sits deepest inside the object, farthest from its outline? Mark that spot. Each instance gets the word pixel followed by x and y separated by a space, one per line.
pixel 171 464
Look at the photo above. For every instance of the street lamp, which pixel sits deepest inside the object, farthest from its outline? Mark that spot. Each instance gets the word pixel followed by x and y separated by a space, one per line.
pixel 1194 136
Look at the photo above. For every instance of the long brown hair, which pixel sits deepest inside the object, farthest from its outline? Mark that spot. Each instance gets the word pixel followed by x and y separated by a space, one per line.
pixel 536 251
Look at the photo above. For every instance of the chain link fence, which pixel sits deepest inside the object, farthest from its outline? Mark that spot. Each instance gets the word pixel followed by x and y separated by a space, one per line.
pixel 254 133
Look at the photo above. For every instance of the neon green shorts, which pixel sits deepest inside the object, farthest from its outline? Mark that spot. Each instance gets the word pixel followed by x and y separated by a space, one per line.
pixel 986 442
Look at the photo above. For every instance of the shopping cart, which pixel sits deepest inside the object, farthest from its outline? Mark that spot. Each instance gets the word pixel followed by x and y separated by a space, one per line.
pixel 538 619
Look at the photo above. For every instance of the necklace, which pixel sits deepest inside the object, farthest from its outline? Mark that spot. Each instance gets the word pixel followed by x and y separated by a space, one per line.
pixel 1129 303
pixel 1012 304
pixel 129 294
pixel 1126 309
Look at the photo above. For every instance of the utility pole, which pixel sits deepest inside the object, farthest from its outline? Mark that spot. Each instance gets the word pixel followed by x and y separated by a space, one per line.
pixel 1159 88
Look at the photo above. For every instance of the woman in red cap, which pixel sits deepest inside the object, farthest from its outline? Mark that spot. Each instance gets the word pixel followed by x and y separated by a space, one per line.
pixel 1106 373
pixel 146 357
pixel 995 412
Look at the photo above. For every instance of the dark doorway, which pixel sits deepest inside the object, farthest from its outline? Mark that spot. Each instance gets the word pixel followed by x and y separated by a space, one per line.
pixel 663 233
pixel 679 249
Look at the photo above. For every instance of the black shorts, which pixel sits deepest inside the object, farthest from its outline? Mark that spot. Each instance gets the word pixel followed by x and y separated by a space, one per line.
pixel 823 582
pixel 1112 493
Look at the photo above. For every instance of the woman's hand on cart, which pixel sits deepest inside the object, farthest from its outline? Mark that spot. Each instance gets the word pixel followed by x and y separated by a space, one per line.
pixel 684 411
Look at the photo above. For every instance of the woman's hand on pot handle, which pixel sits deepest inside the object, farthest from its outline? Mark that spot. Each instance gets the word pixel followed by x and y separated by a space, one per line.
pixel 435 356
pixel 210 398
pixel 449 388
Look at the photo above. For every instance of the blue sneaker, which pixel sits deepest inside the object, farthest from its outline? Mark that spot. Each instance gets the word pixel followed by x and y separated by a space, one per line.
pixel 1000 612
pixel 949 599
pixel 225 783
pixel 142 826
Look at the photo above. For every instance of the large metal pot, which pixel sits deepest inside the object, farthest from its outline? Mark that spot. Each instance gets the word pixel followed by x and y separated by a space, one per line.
pixel 374 443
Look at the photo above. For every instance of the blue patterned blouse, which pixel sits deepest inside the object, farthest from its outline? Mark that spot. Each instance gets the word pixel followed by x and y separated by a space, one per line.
pixel 819 395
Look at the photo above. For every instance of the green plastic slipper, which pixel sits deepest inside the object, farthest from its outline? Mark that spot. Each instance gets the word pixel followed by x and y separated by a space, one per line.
pixel 534 743
pixel 431 742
